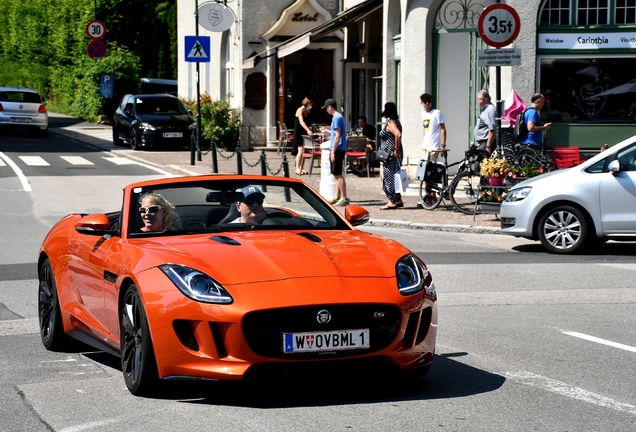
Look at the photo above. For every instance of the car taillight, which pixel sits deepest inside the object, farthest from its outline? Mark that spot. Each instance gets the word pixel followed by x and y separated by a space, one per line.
pixel 42 109
pixel 0 107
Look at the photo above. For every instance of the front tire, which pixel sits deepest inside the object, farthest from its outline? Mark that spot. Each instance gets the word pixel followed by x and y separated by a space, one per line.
pixel 430 199
pixel 49 312
pixel 134 140
pixel 464 191
pixel 137 354
pixel 563 230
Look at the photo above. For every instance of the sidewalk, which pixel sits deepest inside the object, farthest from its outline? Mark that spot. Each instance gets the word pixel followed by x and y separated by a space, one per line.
pixel 362 191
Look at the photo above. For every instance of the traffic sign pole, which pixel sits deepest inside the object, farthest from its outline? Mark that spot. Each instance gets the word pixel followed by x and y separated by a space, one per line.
pixel 499 26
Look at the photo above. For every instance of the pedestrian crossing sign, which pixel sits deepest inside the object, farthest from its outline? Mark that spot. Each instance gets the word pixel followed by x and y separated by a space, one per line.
pixel 197 49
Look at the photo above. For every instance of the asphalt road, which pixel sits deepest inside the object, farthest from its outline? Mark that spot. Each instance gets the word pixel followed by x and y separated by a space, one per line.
pixel 526 340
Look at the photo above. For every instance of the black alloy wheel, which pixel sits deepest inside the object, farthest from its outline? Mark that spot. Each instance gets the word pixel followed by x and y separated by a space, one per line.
pixel 563 229
pixel 137 354
pixel 49 314
pixel 134 140
pixel 116 140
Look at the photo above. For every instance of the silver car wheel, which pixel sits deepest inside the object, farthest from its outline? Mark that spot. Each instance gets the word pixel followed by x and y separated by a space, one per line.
pixel 563 230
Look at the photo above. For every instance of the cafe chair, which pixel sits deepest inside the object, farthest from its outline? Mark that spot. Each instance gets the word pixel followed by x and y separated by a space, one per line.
pixel 284 138
pixel 311 151
pixel 357 154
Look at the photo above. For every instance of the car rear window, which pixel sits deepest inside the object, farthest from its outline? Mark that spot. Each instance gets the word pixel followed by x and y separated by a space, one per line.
pixel 19 96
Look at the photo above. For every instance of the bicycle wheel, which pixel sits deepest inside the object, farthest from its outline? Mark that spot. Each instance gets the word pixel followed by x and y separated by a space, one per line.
pixel 464 190
pixel 430 199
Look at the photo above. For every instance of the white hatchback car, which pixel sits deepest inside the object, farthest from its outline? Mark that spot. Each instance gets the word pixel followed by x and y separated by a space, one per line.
pixel 579 206
pixel 22 108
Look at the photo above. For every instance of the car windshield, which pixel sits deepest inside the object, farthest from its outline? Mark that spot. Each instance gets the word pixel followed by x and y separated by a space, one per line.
pixel 20 96
pixel 159 105
pixel 210 206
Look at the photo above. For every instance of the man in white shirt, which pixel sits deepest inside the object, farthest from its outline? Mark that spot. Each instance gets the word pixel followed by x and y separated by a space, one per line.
pixel 434 129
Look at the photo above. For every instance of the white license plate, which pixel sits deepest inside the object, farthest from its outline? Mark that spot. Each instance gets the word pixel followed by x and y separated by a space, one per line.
pixel 20 120
pixel 173 134
pixel 326 341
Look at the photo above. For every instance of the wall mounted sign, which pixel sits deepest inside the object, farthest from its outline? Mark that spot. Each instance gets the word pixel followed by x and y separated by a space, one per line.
pixel 215 17
pixel 256 91
pixel 586 41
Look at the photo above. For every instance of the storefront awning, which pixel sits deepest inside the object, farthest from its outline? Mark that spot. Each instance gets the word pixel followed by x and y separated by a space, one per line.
pixel 300 41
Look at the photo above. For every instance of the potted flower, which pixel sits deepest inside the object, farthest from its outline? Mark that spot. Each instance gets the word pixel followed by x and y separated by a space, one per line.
pixel 517 174
pixel 490 200
pixel 495 169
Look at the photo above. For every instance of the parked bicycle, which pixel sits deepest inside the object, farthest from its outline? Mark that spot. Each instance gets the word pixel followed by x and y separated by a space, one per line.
pixel 462 191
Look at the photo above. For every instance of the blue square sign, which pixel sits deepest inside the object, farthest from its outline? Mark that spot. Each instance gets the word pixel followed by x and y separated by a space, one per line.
pixel 197 49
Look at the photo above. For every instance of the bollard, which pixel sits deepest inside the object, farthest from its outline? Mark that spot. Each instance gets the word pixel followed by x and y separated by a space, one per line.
pixel 193 139
pixel 263 163
pixel 239 162
pixel 215 165
pixel 286 173
pixel 327 180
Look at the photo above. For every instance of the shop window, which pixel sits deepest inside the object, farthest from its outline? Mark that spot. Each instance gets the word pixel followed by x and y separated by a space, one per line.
pixel 625 11
pixel 586 12
pixel 588 89
pixel 555 12
pixel 592 12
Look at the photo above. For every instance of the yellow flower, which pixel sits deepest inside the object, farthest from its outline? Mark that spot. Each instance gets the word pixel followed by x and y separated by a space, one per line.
pixel 494 167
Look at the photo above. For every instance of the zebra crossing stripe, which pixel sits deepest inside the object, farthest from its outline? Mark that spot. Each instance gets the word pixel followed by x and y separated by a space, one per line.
pixel 120 160
pixel 77 160
pixel 34 161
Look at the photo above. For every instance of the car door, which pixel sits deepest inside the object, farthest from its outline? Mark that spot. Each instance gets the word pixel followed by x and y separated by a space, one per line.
pixel 618 195
pixel 86 275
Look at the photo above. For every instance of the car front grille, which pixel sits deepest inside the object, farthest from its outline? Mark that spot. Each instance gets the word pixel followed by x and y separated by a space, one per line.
pixel 264 329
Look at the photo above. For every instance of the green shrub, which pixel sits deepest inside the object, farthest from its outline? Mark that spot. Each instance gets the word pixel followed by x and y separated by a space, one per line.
pixel 217 121
pixel 24 74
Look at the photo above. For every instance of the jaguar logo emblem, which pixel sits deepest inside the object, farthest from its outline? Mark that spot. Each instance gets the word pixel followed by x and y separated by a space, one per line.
pixel 21 106
pixel 324 316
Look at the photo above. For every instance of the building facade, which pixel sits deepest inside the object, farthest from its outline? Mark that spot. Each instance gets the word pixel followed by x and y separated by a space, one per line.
pixel 365 53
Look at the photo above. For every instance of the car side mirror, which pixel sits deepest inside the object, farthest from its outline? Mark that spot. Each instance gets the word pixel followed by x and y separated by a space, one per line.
pixel 356 215
pixel 614 167
pixel 95 224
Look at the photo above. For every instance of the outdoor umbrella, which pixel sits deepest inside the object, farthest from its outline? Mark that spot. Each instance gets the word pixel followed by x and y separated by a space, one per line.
pixel 628 87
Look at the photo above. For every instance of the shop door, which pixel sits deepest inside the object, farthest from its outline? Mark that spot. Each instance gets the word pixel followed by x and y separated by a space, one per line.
pixel 457 78
pixel 306 73
pixel 362 93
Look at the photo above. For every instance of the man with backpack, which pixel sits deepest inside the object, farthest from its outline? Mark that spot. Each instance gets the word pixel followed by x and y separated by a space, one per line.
pixel 532 120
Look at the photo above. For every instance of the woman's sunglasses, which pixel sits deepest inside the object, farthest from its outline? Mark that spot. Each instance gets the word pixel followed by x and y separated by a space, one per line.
pixel 150 209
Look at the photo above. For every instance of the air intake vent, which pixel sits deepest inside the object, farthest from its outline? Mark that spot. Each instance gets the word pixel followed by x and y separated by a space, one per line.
pixel 310 236
pixel 225 240
pixel 185 333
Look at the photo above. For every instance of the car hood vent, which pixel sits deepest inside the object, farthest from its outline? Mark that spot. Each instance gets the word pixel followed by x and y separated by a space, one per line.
pixel 225 240
pixel 310 236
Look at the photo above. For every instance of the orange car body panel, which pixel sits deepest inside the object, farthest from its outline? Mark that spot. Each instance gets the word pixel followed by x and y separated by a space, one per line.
pixel 269 270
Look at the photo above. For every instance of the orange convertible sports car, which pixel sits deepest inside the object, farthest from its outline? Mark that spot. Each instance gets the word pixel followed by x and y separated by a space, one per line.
pixel 229 277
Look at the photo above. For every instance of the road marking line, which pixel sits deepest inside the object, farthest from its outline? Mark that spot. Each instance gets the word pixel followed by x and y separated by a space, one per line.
pixel 600 341
pixel 2 163
pixel 25 182
pixel 120 160
pixel 563 389
pixel 34 161
pixel 77 160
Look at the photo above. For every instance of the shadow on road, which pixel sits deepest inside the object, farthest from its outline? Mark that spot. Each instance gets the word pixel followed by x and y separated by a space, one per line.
pixel 446 379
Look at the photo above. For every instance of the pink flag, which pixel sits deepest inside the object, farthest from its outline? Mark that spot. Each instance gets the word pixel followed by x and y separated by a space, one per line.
pixel 513 106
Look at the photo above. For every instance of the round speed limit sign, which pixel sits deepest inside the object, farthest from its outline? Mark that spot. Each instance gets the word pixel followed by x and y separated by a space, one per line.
pixel 96 29
pixel 498 25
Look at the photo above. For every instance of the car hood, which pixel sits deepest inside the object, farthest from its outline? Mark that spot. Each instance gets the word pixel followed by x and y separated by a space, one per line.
pixel 247 257
pixel 166 119
pixel 546 177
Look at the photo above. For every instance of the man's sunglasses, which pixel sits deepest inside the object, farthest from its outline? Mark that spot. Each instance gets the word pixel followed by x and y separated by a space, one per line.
pixel 250 201
pixel 150 209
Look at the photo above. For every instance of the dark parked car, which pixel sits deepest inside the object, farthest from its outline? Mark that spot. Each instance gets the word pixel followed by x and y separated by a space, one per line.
pixel 152 120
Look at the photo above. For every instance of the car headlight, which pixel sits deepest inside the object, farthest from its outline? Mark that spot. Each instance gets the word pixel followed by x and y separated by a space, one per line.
pixel 518 194
pixel 196 285
pixel 147 127
pixel 413 276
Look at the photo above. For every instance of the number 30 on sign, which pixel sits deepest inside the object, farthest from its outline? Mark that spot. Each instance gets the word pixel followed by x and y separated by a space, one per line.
pixel 96 29
pixel 498 25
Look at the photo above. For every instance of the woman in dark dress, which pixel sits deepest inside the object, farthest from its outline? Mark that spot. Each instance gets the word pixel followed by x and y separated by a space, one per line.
pixel 391 142
pixel 300 127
